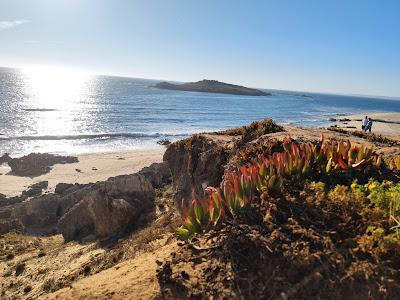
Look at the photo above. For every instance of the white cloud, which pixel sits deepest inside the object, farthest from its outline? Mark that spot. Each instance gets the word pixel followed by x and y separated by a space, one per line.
pixel 11 24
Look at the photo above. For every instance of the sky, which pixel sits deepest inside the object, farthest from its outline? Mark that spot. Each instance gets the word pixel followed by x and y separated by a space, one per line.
pixel 334 46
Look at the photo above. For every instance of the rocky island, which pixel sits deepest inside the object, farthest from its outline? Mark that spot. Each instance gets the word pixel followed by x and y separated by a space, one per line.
pixel 211 86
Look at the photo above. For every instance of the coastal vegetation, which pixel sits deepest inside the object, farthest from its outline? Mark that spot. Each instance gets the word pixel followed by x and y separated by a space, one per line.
pixel 246 184
pixel 290 218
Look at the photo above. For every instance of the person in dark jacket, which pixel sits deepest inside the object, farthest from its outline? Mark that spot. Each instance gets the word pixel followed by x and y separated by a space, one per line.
pixel 369 125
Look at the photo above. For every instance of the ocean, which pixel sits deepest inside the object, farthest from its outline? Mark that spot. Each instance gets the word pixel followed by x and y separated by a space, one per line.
pixel 69 112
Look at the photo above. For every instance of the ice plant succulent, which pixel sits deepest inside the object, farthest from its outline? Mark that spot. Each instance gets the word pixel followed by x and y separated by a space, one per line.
pixel 202 214
pixel 241 187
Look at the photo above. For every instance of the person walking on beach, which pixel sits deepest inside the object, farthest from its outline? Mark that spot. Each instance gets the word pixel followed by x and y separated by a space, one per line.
pixel 364 123
pixel 369 125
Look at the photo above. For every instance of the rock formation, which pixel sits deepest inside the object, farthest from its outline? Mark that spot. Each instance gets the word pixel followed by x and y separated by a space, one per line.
pixel 76 210
pixel 36 189
pixel 36 164
pixel 108 207
pixel 200 161
pixel 195 163
pixel 212 86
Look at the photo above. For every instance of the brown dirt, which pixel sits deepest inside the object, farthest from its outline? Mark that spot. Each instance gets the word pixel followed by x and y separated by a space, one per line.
pixel 132 278
pixel 33 267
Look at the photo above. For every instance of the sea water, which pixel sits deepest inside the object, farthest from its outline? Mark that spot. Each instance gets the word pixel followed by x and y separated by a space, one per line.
pixel 68 113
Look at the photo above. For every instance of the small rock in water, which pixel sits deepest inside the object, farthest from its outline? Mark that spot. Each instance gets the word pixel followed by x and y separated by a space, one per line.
pixel 164 142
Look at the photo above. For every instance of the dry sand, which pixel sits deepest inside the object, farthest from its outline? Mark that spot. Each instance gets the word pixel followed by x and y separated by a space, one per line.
pixel 131 279
pixel 90 168
pixel 383 123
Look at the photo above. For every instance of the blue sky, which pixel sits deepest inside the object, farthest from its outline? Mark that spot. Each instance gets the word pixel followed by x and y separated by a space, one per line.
pixel 350 47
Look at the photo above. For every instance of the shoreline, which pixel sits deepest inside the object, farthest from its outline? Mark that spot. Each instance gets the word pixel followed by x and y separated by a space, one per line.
pixel 91 167
pixel 383 123
pixel 99 166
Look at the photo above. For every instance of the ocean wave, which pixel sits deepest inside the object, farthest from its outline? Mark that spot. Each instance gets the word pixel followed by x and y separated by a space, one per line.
pixel 39 109
pixel 135 135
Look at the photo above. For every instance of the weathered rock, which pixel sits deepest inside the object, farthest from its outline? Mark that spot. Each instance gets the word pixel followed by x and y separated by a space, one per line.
pixel 101 208
pixel 108 207
pixel 158 174
pixel 36 189
pixel 4 201
pixel 5 158
pixel 36 164
pixel 65 188
pixel 38 214
pixel 195 163
pixel 8 224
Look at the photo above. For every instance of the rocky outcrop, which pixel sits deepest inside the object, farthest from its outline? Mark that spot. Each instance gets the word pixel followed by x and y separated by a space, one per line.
pixel 7 201
pixel 38 214
pixel 200 161
pixel 158 174
pixel 108 207
pixel 36 164
pixel 76 210
pixel 5 158
pixel 212 86
pixel 195 163
pixel 36 189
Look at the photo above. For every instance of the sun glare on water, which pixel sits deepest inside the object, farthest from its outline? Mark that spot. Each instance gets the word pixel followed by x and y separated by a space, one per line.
pixel 55 101
pixel 54 87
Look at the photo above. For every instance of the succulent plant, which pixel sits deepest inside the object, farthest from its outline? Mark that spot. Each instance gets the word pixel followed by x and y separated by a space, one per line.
pixel 243 186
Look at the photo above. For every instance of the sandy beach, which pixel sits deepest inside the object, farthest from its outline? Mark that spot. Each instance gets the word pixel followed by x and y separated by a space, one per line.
pixel 90 168
pixel 383 123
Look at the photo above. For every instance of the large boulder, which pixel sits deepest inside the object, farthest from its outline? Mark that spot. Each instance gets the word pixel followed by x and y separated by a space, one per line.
pixel 36 164
pixel 38 214
pixel 108 207
pixel 195 163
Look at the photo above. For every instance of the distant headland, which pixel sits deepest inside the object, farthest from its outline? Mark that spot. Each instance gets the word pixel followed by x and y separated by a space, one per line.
pixel 211 86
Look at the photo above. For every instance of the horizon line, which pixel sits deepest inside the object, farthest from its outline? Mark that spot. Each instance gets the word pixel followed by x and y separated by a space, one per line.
pixel 111 74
